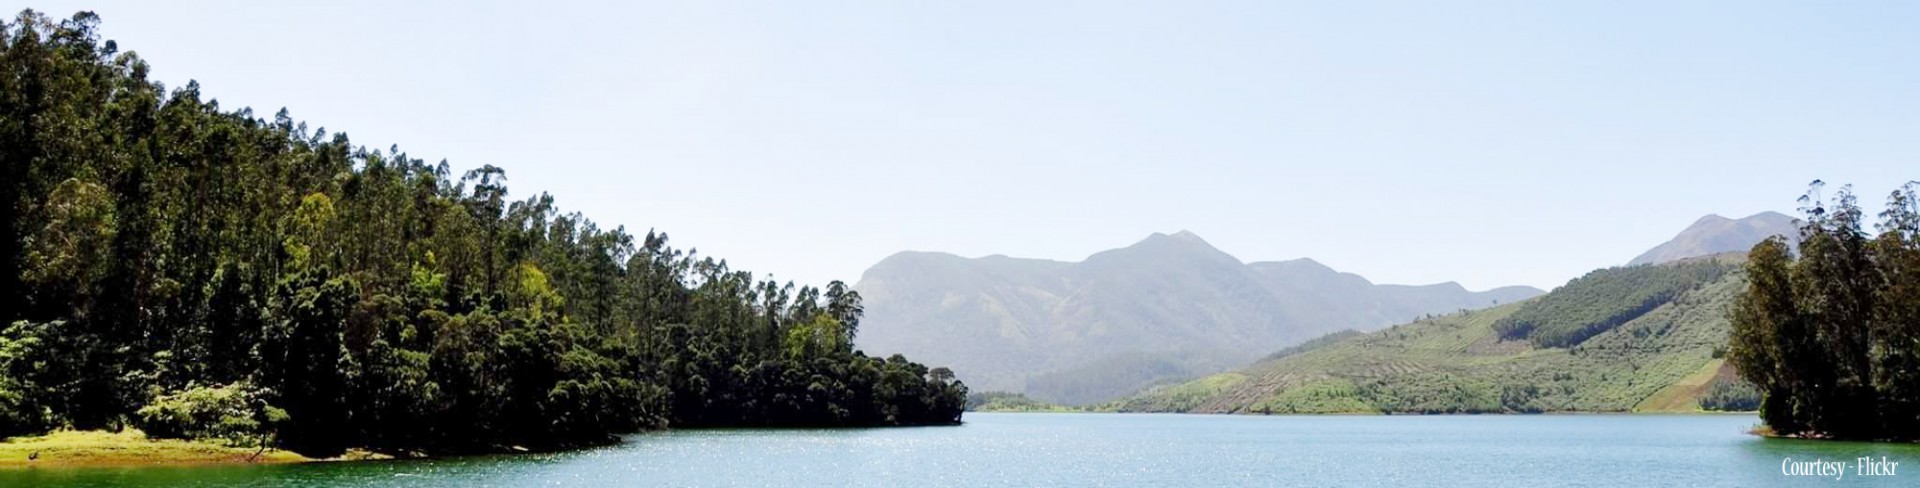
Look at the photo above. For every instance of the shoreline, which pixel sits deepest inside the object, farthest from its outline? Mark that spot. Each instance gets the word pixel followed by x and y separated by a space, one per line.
pixel 133 449
pixel 1764 432
pixel 1387 414
pixel 130 448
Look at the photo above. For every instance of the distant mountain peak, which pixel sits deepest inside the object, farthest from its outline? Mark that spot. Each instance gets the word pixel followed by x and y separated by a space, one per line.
pixel 1709 219
pixel 1188 236
pixel 1184 236
pixel 1714 234
pixel 1161 245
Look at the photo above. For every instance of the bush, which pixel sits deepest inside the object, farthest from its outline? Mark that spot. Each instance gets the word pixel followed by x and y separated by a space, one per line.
pixel 234 414
pixel 19 414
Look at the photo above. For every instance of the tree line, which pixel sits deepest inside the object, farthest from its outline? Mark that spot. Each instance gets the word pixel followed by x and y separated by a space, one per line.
pixel 195 271
pixel 1829 331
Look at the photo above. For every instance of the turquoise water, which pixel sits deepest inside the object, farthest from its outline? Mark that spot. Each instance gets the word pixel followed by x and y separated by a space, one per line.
pixel 1114 450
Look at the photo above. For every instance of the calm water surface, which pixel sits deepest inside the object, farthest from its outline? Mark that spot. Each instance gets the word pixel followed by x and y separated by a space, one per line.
pixel 1113 450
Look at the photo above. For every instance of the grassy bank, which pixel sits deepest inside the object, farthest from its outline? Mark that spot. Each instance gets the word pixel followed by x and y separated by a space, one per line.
pixel 127 448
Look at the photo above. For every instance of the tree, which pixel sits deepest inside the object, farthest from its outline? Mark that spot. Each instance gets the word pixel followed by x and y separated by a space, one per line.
pixel 307 351
pixel 1765 335
pixel 1830 337
pixel 1895 354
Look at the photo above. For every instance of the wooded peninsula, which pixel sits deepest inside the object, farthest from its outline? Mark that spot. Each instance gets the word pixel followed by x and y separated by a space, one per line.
pixel 204 273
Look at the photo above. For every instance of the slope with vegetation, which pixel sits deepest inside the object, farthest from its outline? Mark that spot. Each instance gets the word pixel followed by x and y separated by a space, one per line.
pixel 199 272
pixel 1168 308
pixel 1626 353
pixel 1602 300
pixel 1000 401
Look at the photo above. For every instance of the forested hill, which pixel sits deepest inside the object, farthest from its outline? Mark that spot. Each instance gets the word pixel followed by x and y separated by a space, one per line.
pixel 1619 339
pixel 1168 307
pixel 198 271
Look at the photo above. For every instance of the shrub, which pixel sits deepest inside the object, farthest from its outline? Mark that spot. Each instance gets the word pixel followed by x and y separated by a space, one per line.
pixel 234 414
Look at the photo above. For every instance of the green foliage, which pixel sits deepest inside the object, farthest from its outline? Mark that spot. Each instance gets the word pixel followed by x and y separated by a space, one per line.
pixel 1438 393
pixel 1831 337
pixel 1328 396
pixel 1604 299
pixel 1731 395
pixel 818 337
pixel 38 374
pixel 236 414
pixel 1001 401
pixel 20 398
pixel 153 243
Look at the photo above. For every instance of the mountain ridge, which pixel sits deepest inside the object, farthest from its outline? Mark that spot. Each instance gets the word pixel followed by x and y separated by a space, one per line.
pixel 1714 234
pixel 1166 306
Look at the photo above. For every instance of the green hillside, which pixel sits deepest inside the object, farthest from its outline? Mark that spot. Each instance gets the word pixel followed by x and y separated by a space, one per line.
pixel 1001 401
pixel 1657 355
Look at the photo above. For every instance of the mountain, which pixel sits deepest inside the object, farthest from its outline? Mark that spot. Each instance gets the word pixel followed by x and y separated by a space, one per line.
pixel 1714 234
pixel 1649 339
pixel 1168 307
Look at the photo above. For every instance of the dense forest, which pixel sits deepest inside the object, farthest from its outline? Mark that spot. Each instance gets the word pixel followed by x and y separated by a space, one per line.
pixel 1830 331
pixel 194 271
pixel 1604 299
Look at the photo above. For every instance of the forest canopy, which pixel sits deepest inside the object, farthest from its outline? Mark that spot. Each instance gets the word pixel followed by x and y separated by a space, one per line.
pixel 196 271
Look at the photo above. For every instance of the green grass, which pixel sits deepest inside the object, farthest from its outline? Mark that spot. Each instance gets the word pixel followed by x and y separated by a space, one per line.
pixel 1460 364
pixel 127 448
pixel 1683 395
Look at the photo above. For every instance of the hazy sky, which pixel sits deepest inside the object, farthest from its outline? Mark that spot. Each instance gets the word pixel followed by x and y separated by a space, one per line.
pixel 1489 143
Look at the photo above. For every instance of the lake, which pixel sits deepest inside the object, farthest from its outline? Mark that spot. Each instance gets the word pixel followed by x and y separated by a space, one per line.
pixel 1114 450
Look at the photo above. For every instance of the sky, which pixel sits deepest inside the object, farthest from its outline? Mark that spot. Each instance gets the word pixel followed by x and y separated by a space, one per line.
pixel 1489 143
